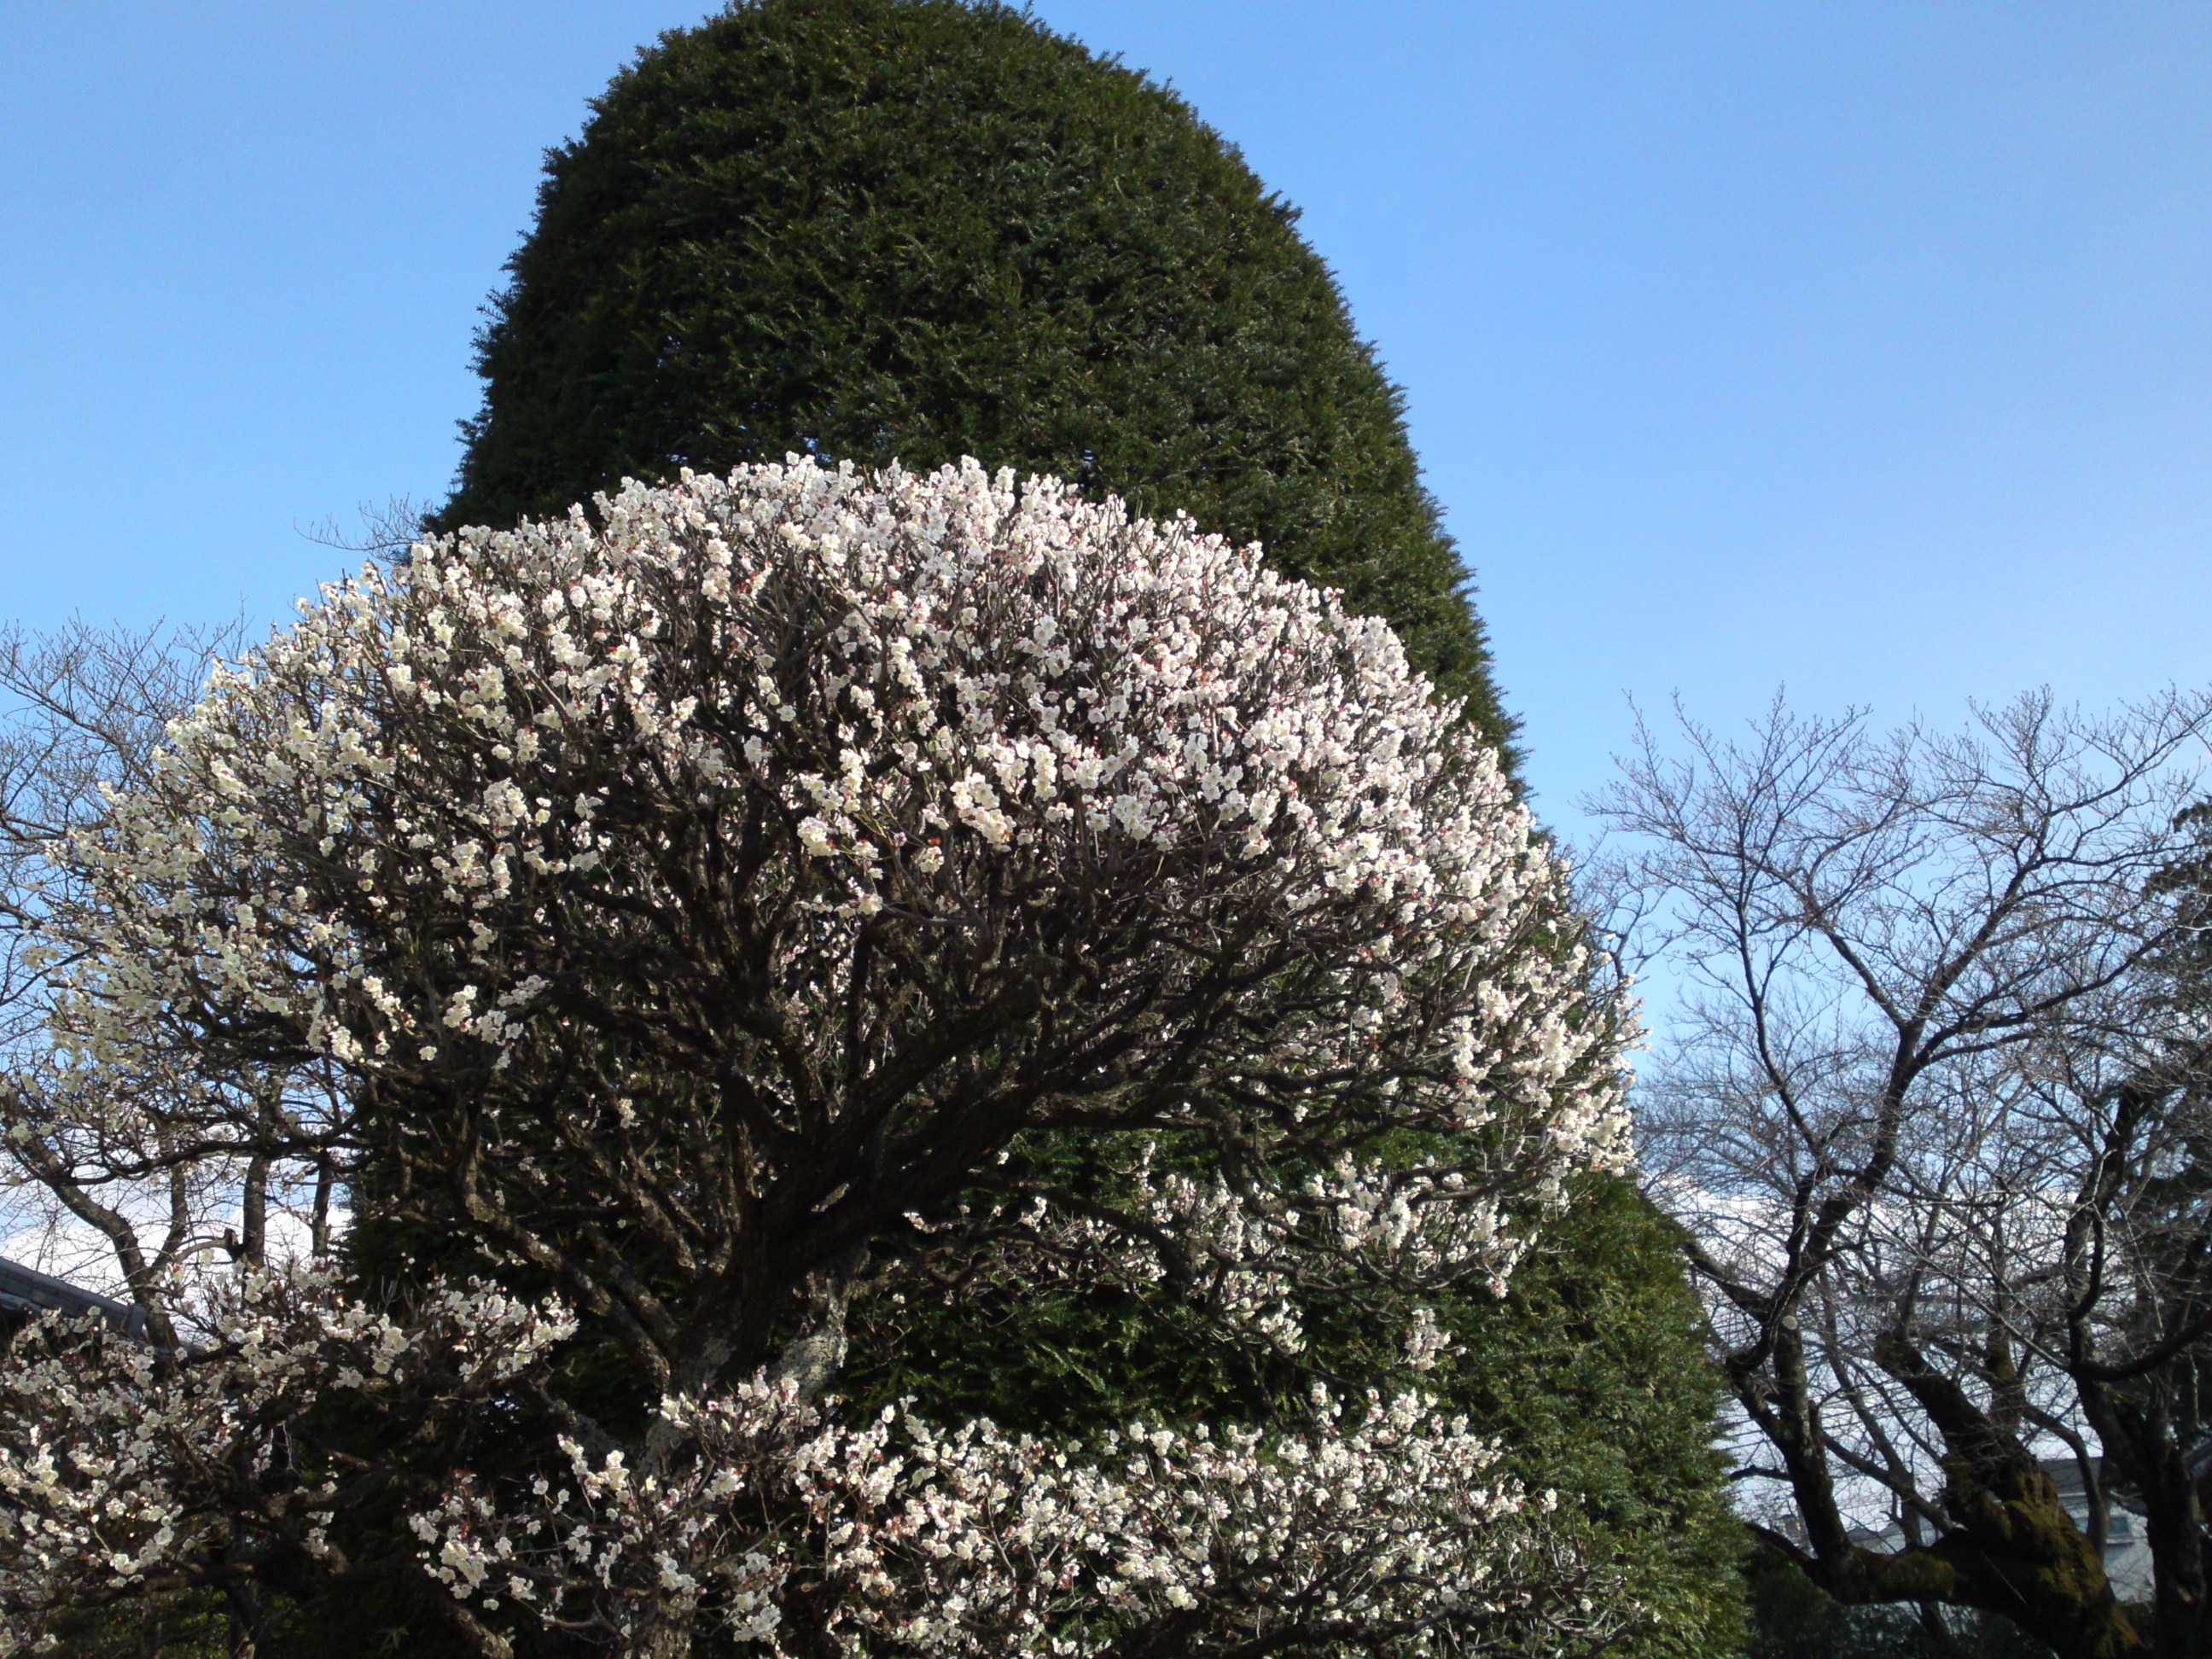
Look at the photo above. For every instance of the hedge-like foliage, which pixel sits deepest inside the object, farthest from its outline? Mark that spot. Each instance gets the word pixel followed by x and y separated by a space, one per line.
pixel 917 229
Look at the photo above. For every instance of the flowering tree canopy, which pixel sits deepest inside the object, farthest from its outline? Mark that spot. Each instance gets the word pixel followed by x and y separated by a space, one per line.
pixel 676 904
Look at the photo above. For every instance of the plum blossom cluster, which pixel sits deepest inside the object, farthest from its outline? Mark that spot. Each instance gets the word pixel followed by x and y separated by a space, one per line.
pixel 1413 1228
pixel 1391 1530
pixel 938 685
pixel 601 1550
pixel 125 1468
pixel 714 881
pixel 1388 1532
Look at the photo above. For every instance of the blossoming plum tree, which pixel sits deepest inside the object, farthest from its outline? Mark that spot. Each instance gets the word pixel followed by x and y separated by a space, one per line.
pixel 680 905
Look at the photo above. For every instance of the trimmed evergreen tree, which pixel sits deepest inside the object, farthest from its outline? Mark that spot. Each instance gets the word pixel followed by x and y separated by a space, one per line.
pixel 916 230
pixel 872 230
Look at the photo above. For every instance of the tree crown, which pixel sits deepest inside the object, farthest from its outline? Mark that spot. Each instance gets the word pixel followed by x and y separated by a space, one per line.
pixel 879 230
pixel 680 903
pixel 785 845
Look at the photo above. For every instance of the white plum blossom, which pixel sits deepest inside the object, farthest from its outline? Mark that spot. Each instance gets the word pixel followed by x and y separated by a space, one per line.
pixel 123 1466
pixel 1391 1531
pixel 721 878
pixel 1246 1257
pixel 931 685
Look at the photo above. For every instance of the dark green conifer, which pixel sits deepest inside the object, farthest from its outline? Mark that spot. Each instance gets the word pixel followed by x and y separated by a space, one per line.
pixel 916 230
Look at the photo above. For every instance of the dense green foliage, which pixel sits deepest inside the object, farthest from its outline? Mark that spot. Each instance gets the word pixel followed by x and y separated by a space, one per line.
pixel 916 230
pixel 1594 1370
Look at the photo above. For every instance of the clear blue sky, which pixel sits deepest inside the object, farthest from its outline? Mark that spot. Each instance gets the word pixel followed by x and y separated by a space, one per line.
pixel 1863 346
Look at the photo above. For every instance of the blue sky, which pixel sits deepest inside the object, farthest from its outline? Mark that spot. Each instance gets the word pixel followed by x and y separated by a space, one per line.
pixel 1861 347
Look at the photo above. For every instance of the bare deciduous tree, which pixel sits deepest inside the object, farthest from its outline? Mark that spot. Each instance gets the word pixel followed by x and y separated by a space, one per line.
pixel 1934 1120
pixel 118 1191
